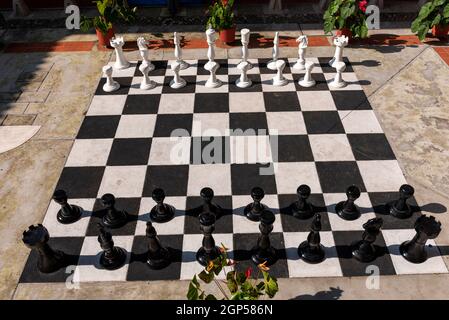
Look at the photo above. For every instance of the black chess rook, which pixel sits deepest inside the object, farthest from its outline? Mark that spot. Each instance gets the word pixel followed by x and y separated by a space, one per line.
pixel 158 256
pixel 209 206
pixel 112 257
pixel 311 250
pixel 302 209
pixel 365 250
pixel 263 251
pixel 161 212
pixel 400 208
pixel 348 210
pixel 208 251
pixel 254 210
pixel 113 218
pixel 68 213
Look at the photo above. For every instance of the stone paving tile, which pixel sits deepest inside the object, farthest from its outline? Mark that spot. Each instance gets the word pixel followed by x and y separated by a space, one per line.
pixel 12 108
pixel 9 96
pixel 19 120
pixel 29 96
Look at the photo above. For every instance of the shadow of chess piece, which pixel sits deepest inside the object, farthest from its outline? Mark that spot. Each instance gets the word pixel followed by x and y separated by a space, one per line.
pixel 112 257
pixel 415 250
pixel 49 260
pixel 158 256
pixel 113 218
pixel 348 210
pixel 161 212
pixel 311 250
pixel 302 209
pixel 364 250
pixel 400 208
pixel 208 251
pixel 253 210
pixel 263 251
pixel 68 213
pixel 209 206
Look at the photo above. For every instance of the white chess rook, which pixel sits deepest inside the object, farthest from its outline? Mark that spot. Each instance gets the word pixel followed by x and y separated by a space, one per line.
pixel 243 81
pixel 279 79
pixel 110 85
pixel 272 64
pixel 338 81
pixel 178 52
pixel 308 81
pixel 340 43
pixel 120 60
pixel 177 81
pixel 146 83
pixel 245 34
pixel 212 82
pixel 303 43
pixel 144 53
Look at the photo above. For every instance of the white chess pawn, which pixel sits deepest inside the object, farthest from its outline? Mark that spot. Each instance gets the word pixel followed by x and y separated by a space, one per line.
pixel 279 79
pixel 308 81
pixel 146 83
pixel 244 34
pixel 303 44
pixel 243 81
pixel 120 61
pixel 178 52
pixel 177 81
pixel 212 82
pixel 338 81
pixel 272 64
pixel 340 43
pixel 111 84
pixel 144 53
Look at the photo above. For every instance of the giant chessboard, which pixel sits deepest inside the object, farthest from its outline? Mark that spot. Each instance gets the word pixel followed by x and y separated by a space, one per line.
pixel 326 138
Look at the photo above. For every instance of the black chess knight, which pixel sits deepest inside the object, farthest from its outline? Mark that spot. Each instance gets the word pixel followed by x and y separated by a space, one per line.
pixel 161 212
pixel 113 218
pixel 263 251
pixel 311 250
pixel 112 257
pixel 348 210
pixel 415 250
pixel 400 208
pixel 158 256
pixel 49 260
pixel 302 209
pixel 208 251
pixel 364 250
pixel 68 213
pixel 253 210
pixel 209 206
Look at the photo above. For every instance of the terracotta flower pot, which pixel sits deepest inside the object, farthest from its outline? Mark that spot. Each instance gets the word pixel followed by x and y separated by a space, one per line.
pixel 104 39
pixel 344 32
pixel 227 35
pixel 440 30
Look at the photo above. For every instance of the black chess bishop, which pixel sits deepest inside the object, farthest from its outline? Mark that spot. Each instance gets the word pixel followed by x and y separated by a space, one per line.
pixel 311 250
pixel 365 250
pixel 426 228
pixel 209 206
pixel 113 218
pixel 263 251
pixel 49 260
pixel 158 256
pixel 400 208
pixel 68 213
pixel 112 257
pixel 208 251
pixel 302 209
pixel 348 210
pixel 161 212
pixel 254 210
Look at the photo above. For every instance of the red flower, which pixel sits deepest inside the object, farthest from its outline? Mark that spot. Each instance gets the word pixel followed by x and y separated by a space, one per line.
pixel 248 272
pixel 362 5
pixel 224 2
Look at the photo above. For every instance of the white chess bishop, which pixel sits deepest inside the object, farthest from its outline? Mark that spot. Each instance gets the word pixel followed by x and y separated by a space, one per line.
pixel 338 81
pixel 120 60
pixel 178 52
pixel 272 63
pixel 177 82
pixel 243 81
pixel 110 85
pixel 146 83
pixel 279 79
pixel 144 53
pixel 308 81
pixel 302 46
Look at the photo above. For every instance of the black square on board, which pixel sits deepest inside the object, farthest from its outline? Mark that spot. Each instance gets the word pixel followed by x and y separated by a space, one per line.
pixel 222 70
pixel 291 148
pixel 209 150
pixel 248 122
pixel 323 122
pixel 350 100
pixel 246 176
pixel 211 102
pixel 374 146
pixel 81 182
pixel 281 101
pixel 142 104
pixel 125 84
pixel 255 87
pixel 129 152
pixel 189 88
pixel 98 127
pixel 337 176
pixel 320 82
pixel 173 179
pixel 166 124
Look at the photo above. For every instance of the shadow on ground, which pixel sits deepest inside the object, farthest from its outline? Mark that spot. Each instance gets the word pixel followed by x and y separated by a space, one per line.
pixel 331 294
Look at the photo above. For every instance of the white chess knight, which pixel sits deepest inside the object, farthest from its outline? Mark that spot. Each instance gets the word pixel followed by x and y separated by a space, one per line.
pixel 146 83
pixel 144 52
pixel 178 52
pixel 177 81
pixel 340 43
pixel 120 60
pixel 110 85
pixel 308 81
pixel 338 81
pixel 212 82
pixel 245 34
pixel 303 42
pixel 272 64
pixel 243 81
pixel 279 79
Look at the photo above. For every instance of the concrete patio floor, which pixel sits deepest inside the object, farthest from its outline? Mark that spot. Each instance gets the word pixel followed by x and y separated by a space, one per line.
pixel 406 86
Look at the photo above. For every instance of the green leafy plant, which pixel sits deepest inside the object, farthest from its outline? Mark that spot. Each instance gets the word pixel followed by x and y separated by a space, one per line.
pixel 433 13
pixel 221 15
pixel 110 11
pixel 346 14
pixel 237 286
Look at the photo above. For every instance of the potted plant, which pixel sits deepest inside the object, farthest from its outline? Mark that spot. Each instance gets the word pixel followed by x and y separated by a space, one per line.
pixel 433 15
pixel 221 19
pixel 110 11
pixel 347 17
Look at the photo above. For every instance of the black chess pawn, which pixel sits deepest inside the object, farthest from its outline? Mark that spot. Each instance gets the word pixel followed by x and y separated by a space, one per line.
pixel 311 250
pixel 364 250
pixel 400 208
pixel 161 212
pixel 68 213
pixel 415 250
pixel 112 257
pixel 348 210
pixel 208 251
pixel 113 218
pixel 209 206
pixel 263 251
pixel 158 256
pixel 49 260
pixel 302 209
pixel 253 210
